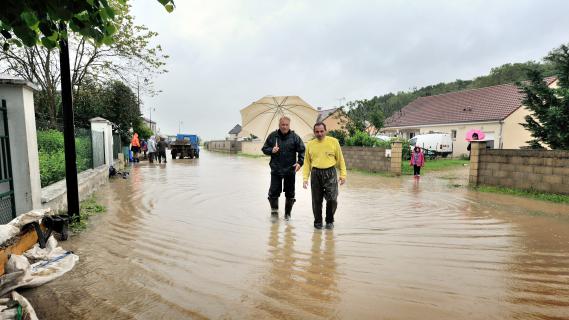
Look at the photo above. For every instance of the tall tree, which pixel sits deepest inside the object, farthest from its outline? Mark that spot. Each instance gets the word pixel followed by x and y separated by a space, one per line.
pixel 129 56
pixel 364 115
pixel 549 107
pixel 47 22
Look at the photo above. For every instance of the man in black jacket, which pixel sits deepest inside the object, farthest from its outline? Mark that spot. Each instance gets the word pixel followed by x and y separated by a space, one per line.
pixel 287 156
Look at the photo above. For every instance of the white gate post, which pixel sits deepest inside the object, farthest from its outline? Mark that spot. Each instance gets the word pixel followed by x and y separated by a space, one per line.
pixel 99 124
pixel 19 96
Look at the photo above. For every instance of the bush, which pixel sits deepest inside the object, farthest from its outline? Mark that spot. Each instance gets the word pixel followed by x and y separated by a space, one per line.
pixel 338 134
pixel 52 155
pixel 362 139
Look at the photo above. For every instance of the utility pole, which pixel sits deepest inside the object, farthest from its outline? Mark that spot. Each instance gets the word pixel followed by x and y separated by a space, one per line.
pixel 180 126
pixel 138 93
pixel 68 130
pixel 150 109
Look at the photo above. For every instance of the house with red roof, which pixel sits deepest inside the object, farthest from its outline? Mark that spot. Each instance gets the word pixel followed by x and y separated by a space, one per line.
pixel 496 110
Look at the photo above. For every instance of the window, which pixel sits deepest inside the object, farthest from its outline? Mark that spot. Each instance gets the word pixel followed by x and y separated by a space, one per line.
pixel 411 135
pixel 453 134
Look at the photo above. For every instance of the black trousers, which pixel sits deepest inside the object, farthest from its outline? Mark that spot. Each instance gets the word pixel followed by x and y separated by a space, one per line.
pixel 416 170
pixel 161 154
pixel 324 185
pixel 277 185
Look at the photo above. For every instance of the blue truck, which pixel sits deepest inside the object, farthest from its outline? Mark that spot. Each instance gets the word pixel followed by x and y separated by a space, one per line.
pixel 185 146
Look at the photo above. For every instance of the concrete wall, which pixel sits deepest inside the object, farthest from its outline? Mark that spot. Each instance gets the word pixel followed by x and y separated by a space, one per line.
pixel 55 196
pixel 230 146
pixel 541 170
pixel 374 159
pixel 366 158
pixel 252 147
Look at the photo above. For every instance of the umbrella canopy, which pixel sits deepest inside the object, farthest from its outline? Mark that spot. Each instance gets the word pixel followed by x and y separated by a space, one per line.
pixel 262 117
pixel 471 132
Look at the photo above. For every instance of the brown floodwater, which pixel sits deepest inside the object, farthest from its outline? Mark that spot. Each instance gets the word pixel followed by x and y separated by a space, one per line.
pixel 192 239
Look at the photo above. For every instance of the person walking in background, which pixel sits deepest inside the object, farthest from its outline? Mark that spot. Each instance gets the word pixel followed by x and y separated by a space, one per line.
pixel 135 147
pixel 323 156
pixel 161 147
pixel 144 148
pixel 287 156
pixel 417 161
pixel 151 149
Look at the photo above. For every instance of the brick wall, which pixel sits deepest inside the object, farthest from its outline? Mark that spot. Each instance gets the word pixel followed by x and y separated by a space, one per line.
pixel 230 146
pixel 541 170
pixel 373 159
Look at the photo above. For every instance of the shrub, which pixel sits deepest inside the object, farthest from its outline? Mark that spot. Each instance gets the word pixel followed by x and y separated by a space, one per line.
pixel 361 139
pixel 340 135
pixel 52 155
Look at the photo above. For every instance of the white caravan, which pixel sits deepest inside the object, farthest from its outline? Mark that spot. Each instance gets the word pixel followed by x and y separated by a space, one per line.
pixel 437 143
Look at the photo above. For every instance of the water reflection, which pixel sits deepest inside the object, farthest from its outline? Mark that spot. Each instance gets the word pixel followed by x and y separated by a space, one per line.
pixel 191 240
pixel 300 284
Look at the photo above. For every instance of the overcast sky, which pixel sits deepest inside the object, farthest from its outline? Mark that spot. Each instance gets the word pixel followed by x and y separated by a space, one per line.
pixel 227 54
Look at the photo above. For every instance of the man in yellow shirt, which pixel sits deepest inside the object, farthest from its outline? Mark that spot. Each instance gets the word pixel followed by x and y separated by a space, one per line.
pixel 323 156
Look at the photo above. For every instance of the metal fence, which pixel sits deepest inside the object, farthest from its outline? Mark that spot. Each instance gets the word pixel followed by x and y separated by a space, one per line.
pixel 117 146
pixel 98 138
pixel 83 149
pixel 7 203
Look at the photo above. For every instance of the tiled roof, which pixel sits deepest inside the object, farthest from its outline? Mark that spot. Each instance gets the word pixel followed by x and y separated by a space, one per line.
pixel 235 129
pixel 475 105
pixel 323 114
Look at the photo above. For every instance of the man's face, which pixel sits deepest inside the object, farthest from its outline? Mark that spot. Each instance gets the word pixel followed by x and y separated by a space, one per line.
pixel 319 132
pixel 284 125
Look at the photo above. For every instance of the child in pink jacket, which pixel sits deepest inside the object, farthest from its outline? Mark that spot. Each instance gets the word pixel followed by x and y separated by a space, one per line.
pixel 417 161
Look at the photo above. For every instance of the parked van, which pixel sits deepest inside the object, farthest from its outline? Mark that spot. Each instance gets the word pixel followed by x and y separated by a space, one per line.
pixel 435 144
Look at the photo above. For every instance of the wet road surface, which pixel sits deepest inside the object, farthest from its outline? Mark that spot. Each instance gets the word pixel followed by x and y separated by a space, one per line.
pixel 193 239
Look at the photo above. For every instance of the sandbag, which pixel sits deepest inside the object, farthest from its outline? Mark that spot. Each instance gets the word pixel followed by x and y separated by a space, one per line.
pixel 14 305
pixel 52 263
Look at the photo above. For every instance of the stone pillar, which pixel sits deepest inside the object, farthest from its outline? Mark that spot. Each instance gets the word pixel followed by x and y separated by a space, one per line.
pixel 105 126
pixel 19 96
pixel 396 157
pixel 475 147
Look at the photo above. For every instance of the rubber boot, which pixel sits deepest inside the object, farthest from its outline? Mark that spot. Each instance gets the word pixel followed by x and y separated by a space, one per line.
pixel 274 202
pixel 331 206
pixel 288 207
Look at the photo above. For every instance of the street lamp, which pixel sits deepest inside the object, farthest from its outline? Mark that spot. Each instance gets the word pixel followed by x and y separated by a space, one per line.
pixel 180 126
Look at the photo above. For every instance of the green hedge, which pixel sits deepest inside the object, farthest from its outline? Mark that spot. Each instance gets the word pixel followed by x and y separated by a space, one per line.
pixel 52 155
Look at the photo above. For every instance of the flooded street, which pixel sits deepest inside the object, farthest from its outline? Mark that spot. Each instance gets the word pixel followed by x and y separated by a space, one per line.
pixel 193 239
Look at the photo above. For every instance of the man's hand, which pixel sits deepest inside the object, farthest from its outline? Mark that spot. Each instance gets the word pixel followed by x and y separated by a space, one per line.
pixel 275 149
pixel 296 167
pixel 342 181
pixel 305 184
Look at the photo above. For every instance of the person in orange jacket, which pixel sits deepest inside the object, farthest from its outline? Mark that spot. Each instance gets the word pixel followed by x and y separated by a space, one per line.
pixel 417 161
pixel 135 147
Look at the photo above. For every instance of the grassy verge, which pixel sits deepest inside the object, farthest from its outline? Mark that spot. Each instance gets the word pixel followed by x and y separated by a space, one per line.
pixel 532 194
pixel 371 173
pixel 434 165
pixel 88 208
